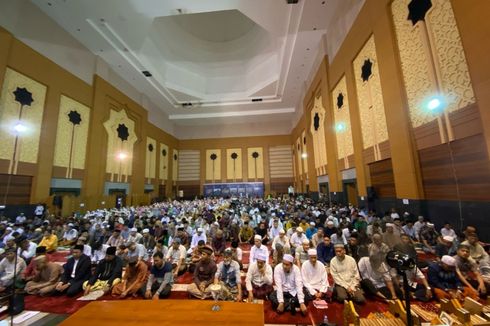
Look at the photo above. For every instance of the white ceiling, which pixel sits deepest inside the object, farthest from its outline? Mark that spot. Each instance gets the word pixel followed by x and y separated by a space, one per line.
pixel 217 55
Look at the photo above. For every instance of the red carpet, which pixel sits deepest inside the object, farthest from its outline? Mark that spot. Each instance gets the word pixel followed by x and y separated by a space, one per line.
pixel 66 305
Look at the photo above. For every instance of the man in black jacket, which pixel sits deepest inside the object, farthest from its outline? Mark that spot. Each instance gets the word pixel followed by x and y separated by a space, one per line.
pixel 76 271
pixel 107 273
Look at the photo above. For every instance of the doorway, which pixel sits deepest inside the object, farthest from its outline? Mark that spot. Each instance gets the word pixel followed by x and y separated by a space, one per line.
pixel 350 191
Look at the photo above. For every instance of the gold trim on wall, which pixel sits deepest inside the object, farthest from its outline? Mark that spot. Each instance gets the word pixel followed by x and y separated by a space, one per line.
pixel 151 159
pixel 24 108
pixel 120 152
pixel 317 130
pixel 163 162
pixel 255 163
pixel 213 165
pixel 341 123
pixel 370 98
pixel 71 135
pixel 234 166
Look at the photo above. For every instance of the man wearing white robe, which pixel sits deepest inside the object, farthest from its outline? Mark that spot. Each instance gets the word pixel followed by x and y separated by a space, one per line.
pixel 257 249
pixel 315 279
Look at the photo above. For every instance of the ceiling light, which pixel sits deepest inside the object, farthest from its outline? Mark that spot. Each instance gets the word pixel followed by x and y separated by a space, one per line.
pixel 256 100
pixel 304 155
pixel 147 73
pixel 291 2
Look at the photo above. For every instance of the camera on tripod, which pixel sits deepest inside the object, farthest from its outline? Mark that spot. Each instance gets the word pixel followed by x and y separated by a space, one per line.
pixel 400 261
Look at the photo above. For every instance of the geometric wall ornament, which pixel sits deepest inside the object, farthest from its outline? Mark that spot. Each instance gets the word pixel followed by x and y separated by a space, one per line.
pixel 151 159
pixel 317 130
pixel 370 98
pixel 71 135
pixel 234 159
pixel 255 163
pixel 341 123
pixel 213 164
pixel 21 112
pixel 299 158
pixel 432 60
pixel 175 164
pixel 121 138
pixel 305 151
pixel 164 155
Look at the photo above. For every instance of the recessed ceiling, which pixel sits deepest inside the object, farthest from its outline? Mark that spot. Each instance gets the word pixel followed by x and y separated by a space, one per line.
pixel 221 61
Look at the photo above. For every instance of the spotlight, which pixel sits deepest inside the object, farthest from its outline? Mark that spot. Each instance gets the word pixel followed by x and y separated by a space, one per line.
pixel 304 155
pixel 435 103
pixel 340 127
pixel 20 128
pixel 122 156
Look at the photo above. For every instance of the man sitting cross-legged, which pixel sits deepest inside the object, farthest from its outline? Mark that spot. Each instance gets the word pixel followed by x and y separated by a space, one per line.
pixel 346 277
pixel 203 275
pixel 258 283
pixel 160 280
pixel 228 276
pixel 315 279
pixel 107 273
pixel 46 276
pixel 76 272
pixel 133 279
pixel 289 293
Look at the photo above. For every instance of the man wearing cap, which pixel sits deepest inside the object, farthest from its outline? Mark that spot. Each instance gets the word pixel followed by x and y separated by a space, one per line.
pixel 134 236
pixel 289 287
pixel 228 276
pixel 134 278
pixel 176 256
pixel 49 241
pixel 315 279
pixel 199 235
pixel 429 237
pixel 47 275
pixel 346 277
pixel 107 273
pixel 87 250
pixel 69 236
pixel 147 239
pixel 301 254
pixel 275 229
pixel 330 228
pixel 283 240
pixel 160 281
pixel 257 248
pixel 445 282
pixel 390 237
pixel 445 247
pixel 203 275
pixel 297 239
pixel 76 272
pixel 258 282
pixel 27 250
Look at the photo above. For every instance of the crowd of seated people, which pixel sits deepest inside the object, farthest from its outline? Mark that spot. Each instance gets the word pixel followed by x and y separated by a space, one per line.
pixel 299 251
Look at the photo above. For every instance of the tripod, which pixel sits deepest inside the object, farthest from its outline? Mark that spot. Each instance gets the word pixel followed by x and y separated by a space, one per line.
pixel 406 289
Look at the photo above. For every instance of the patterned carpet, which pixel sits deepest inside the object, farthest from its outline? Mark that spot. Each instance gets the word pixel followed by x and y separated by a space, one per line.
pixel 66 305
